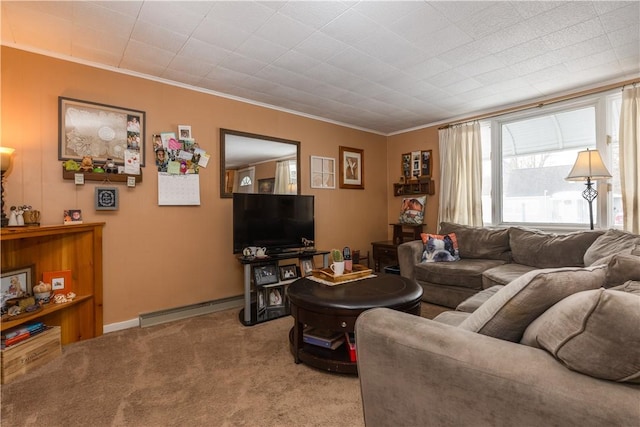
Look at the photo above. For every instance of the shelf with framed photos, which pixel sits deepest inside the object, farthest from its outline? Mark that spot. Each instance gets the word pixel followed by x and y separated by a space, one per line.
pixel 266 280
pixel 59 248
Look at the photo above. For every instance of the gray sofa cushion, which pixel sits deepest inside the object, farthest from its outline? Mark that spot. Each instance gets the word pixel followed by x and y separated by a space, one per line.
pixel 610 243
pixel 472 303
pixel 622 268
pixel 550 250
pixel 504 274
pixel 596 333
pixel 453 318
pixel 507 314
pixel 480 242
pixel 466 273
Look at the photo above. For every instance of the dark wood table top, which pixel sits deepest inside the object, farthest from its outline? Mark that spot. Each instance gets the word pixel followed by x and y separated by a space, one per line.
pixel 384 290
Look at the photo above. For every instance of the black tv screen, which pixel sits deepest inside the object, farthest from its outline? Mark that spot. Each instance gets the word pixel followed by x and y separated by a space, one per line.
pixel 278 222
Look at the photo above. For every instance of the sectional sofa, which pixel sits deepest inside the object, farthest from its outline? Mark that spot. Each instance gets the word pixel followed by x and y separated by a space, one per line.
pixel 497 256
pixel 553 347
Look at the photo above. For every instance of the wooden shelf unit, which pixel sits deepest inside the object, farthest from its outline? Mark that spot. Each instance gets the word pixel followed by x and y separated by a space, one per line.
pixel 61 247
pixel 94 176
pixel 414 188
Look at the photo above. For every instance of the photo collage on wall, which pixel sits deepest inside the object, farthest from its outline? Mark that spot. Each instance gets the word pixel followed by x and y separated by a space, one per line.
pixel 178 154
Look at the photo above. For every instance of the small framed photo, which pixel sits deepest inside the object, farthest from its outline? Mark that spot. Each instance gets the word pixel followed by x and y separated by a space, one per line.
pixel 288 272
pixel 184 132
pixel 16 283
pixel 106 199
pixel 265 274
pixel 275 296
pixel 306 266
pixel 60 281
pixel 72 216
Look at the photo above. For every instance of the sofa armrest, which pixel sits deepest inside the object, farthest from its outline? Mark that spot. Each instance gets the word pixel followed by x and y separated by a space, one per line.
pixel 409 254
pixel 415 371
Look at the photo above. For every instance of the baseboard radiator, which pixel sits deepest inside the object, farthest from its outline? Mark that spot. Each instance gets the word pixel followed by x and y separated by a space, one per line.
pixel 177 313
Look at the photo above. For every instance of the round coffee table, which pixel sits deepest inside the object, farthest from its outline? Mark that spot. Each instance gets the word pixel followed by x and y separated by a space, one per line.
pixel 337 307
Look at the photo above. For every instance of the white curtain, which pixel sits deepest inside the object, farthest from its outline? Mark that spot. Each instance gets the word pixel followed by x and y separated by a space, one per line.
pixel 461 175
pixel 286 178
pixel 630 158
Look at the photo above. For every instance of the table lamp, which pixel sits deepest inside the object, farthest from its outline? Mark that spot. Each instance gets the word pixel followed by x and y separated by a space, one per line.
pixel 6 155
pixel 588 166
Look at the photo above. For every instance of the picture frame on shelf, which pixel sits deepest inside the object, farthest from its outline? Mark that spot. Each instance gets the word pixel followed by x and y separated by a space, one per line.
pixel 275 296
pixel 351 168
pixel 306 266
pixel 323 172
pixel 265 274
pixel 16 283
pixel 288 272
pixel 61 281
pixel 86 128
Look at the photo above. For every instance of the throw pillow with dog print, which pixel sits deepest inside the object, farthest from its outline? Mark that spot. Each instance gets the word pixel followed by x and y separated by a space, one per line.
pixel 440 247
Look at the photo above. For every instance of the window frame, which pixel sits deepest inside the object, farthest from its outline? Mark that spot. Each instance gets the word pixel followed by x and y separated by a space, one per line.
pixel 603 207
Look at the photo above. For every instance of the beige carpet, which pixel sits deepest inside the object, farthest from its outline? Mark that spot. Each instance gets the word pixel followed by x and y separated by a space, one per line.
pixel 204 371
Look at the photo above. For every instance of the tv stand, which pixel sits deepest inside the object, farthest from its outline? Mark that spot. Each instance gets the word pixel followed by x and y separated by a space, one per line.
pixel 248 315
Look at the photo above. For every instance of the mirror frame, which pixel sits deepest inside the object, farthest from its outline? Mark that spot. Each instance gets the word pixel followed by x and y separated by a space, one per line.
pixel 223 137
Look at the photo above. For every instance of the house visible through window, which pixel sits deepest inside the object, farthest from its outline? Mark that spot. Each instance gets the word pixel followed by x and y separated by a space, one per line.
pixel 527 155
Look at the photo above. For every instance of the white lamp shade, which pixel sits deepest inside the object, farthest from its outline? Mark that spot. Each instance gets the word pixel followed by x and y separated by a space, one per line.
pixel 589 164
pixel 5 158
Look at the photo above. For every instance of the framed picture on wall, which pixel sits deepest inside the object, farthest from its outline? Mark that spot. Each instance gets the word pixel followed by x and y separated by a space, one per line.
pixel 426 163
pixel 323 172
pixel 351 168
pixel 100 131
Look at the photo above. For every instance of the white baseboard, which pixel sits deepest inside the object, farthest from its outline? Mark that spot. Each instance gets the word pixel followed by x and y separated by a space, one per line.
pixel 177 313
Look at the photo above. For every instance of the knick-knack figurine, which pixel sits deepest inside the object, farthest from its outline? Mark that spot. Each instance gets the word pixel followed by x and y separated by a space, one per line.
pixel 13 217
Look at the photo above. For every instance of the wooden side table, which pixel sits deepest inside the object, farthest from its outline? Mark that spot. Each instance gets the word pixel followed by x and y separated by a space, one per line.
pixel 385 253
pixel 401 232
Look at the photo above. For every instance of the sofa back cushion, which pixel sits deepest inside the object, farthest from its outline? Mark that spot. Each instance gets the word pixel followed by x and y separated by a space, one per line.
pixel 596 333
pixel 610 243
pixel 480 242
pixel 509 312
pixel 549 250
pixel 622 268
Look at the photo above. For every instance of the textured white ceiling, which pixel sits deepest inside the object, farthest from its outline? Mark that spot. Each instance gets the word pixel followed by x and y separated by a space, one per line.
pixel 384 66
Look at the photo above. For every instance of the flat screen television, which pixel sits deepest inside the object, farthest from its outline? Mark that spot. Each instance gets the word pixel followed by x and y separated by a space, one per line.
pixel 278 222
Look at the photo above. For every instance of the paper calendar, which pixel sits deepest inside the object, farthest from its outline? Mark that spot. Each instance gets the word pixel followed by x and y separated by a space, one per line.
pixel 178 189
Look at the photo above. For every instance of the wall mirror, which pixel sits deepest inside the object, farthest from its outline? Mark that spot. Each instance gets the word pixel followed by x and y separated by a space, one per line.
pixel 251 163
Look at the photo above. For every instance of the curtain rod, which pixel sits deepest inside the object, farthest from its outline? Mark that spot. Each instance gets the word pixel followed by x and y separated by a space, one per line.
pixel 543 103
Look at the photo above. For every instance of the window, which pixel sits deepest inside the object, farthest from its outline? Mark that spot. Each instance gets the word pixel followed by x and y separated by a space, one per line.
pixel 527 155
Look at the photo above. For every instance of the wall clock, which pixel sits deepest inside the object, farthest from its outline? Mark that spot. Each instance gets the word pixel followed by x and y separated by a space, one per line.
pixel 106 199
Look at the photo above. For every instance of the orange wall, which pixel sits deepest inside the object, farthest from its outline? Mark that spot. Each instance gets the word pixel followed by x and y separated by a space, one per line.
pixel 163 257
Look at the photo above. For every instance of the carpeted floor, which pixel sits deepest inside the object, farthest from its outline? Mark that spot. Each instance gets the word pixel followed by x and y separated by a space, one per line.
pixel 203 371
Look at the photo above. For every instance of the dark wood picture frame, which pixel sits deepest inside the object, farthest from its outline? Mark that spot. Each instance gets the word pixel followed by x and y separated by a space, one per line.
pixel 99 130
pixel 266 185
pixel 426 163
pixel 351 168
